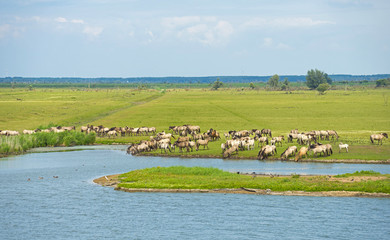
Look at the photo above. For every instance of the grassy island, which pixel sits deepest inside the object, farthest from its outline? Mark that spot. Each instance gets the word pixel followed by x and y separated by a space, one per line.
pixel 199 179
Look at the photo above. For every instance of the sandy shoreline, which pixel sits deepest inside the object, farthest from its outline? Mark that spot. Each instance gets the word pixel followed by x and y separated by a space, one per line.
pixel 112 181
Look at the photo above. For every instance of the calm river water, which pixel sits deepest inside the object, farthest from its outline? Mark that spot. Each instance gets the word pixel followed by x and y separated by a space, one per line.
pixel 73 207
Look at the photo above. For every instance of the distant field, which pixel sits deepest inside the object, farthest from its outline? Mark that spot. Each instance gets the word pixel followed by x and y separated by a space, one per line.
pixel 353 114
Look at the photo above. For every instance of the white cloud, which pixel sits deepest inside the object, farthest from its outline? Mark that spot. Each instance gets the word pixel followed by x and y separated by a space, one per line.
pixel 267 42
pixel 286 22
pixel 270 43
pixel 64 20
pixel 93 31
pixel 205 30
pixel 61 20
pixel 4 30
pixel 176 22
pixel 77 21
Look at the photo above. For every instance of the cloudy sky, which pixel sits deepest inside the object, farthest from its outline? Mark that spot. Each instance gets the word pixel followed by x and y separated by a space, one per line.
pixel 146 38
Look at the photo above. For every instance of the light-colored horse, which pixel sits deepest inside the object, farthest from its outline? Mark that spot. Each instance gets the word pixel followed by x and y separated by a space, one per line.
pixel 378 137
pixel 290 151
pixel 343 146
pixel 204 143
pixel 266 151
pixel 230 151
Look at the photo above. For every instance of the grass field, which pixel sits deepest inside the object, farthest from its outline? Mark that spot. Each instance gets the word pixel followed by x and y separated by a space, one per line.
pixel 210 178
pixel 353 114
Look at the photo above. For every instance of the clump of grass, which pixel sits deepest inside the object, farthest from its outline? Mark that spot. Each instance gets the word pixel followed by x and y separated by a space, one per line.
pixel 357 173
pixel 294 175
pixel 211 178
pixel 21 143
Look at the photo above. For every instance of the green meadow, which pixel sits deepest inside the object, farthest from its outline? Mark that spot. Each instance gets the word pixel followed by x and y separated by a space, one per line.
pixel 354 114
pixel 179 177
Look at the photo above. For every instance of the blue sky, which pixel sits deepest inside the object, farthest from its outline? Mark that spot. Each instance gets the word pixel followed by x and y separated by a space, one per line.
pixel 102 38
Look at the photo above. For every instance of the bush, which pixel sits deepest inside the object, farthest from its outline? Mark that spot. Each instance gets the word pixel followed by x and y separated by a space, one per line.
pixel 322 88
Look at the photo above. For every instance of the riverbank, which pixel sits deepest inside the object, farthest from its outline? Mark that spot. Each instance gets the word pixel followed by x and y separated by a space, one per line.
pixel 318 160
pixel 180 183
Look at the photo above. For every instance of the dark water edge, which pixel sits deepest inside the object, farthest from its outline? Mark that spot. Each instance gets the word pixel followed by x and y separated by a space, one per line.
pixel 73 207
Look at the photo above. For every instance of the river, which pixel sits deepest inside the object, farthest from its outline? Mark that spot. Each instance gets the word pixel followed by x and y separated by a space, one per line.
pixel 73 207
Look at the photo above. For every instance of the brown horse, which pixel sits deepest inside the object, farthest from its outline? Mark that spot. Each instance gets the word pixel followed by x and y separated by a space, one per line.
pixel 302 152
pixel 378 137
pixel 266 132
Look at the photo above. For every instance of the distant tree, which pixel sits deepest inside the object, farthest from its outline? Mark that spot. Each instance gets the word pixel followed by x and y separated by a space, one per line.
pixel 322 88
pixel 251 85
pixel 285 85
pixel 383 82
pixel 274 81
pixel 217 84
pixel 315 77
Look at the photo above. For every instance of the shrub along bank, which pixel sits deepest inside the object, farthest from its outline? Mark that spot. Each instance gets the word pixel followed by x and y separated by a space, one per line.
pixel 21 143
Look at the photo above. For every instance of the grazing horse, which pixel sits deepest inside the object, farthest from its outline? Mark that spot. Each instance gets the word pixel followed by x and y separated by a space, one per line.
pixel 28 131
pixel 204 143
pixel 165 146
pixel 333 134
pixel 324 135
pixel 266 151
pixel 112 133
pixel 288 152
pixel 302 152
pixel 266 132
pixel 316 148
pixel 294 131
pixel 230 151
pixel 262 140
pixel 214 135
pixel 182 145
pixel 342 146
pixel 276 140
pixel 378 137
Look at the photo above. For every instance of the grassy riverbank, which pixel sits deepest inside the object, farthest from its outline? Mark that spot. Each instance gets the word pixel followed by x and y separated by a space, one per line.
pixel 199 178
pixel 20 144
pixel 354 114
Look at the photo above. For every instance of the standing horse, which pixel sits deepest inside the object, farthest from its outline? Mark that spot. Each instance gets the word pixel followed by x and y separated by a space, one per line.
pixel 341 146
pixel 288 152
pixel 302 152
pixel 266 132
pixel 378 137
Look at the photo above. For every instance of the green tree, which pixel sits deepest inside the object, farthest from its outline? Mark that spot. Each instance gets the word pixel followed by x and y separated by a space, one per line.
pixel 251 85
pixel 322 88
pixel 285 85
pixel 315 77
pixel 217 84
pixel 382 82
pixel 274 81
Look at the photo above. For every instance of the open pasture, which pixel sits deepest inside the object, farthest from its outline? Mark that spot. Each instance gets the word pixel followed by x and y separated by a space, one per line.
pixel 353 114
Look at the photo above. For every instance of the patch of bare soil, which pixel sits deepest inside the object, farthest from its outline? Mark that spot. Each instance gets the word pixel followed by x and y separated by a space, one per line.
pixel 356 178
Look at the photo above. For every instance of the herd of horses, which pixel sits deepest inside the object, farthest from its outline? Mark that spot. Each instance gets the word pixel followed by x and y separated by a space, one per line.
pixel 190 138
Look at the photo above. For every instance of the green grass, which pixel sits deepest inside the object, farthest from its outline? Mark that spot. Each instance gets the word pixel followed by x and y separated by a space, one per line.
pixel 354 114
pixel 179 177
pixel 357 173
pixel 21 143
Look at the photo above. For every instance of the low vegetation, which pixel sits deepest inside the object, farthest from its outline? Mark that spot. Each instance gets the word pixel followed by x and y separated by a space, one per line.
pixel 21 143
pixel 179 177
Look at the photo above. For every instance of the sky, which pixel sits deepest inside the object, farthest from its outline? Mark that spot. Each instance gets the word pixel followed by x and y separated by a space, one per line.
pixel 147 38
